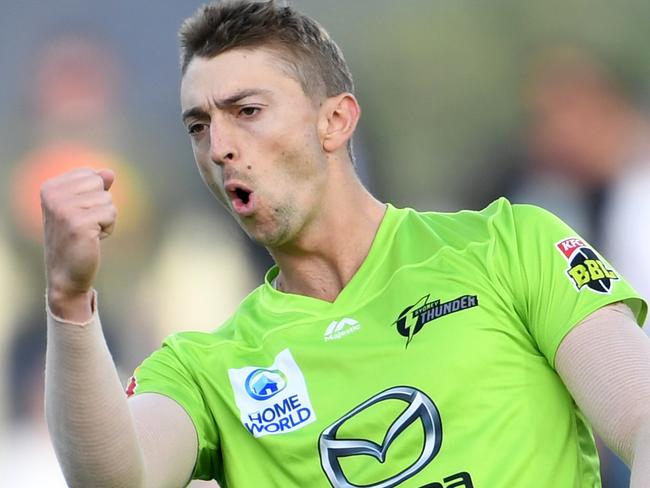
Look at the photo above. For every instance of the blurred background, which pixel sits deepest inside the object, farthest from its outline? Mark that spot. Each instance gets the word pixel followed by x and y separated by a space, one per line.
pixel 463 101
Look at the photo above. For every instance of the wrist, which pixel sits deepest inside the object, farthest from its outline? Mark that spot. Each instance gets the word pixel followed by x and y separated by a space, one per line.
pixel 75 307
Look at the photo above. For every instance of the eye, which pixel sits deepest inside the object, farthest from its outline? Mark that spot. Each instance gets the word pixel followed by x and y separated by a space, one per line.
pixel 249 111
pixel 196 129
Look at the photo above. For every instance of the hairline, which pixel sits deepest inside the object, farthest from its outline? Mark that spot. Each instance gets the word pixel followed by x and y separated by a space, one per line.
pixel 287 61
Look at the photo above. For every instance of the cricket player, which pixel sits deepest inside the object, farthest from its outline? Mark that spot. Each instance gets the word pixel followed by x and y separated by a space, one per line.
pixel 387 347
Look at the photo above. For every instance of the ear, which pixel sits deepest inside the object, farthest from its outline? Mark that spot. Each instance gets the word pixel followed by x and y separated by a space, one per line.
pixel 338 120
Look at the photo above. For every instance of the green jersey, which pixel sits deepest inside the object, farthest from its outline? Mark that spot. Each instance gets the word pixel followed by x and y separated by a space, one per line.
pixel 434 367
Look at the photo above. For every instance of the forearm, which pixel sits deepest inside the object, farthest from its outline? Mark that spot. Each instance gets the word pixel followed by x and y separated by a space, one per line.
pixel 641 460
pixel 87 413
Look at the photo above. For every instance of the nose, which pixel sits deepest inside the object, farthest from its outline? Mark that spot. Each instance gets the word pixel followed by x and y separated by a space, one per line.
pixel 222 144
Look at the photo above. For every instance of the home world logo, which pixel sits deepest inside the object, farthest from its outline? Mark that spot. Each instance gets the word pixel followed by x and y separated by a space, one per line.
pixel 263 383
pixel 274 399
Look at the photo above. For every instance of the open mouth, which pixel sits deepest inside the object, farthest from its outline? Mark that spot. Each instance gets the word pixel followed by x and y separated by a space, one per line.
pixel 243 195
pixel 241 198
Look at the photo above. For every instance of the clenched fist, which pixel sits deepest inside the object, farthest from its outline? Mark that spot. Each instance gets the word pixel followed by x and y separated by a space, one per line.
pixel 78 212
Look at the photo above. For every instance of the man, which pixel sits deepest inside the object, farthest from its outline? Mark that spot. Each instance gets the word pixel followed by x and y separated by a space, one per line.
pixel 387 347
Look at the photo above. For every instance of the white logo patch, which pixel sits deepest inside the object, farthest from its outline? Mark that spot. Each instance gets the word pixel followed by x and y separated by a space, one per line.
pixel 336 330
pixel 272 400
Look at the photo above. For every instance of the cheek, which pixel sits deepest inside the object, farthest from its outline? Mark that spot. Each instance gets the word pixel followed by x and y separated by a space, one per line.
pixel 211 176
pixel 302 170
pixel 303 149
pixel 292 132
pixel 310 161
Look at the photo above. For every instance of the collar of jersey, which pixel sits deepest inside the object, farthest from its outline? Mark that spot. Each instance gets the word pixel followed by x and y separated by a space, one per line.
pixel 357 289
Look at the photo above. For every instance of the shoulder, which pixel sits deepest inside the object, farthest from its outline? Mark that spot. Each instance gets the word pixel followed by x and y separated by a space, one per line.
pixel 499 209
pixel 464 226
pixel 501 226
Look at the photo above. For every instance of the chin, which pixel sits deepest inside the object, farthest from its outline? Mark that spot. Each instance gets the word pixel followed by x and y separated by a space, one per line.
pixel 266 240
pixel 271 231
pixel 268 237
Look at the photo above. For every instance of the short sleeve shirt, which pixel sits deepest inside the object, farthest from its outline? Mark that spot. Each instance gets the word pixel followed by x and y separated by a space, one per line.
pixel 434 367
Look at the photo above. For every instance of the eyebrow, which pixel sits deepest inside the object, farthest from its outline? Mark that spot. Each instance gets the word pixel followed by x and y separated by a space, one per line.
pixel 197 112
pixel 224 102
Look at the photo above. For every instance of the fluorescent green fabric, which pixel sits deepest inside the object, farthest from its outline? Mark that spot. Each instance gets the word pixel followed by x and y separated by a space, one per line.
pixel 441 348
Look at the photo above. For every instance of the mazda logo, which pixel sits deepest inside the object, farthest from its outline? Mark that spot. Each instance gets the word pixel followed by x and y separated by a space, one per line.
pixel 419 407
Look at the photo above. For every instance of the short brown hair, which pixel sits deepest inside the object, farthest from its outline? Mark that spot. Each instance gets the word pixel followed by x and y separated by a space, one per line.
pixel 313 58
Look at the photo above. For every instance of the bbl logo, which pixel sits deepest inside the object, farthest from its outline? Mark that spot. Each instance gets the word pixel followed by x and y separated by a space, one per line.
pixel 416 316
pixel 585 267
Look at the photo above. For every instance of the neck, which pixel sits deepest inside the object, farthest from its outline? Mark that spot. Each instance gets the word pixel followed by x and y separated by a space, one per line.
pixel 329 251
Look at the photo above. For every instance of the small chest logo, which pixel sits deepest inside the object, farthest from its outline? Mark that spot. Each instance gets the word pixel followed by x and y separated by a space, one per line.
pixel 265 383
pixel 339 329
pixel 274 399
pixel 585 267
pixel 416 316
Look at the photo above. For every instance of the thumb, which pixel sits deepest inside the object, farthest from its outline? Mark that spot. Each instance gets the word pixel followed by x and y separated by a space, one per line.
pixel 108 176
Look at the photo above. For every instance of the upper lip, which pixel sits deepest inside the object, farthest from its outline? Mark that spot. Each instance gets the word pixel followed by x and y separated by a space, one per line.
pixel 232 186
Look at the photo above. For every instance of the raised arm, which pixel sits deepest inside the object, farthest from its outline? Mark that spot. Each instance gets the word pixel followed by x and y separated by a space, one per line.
pixel 605 364
pixel 100 439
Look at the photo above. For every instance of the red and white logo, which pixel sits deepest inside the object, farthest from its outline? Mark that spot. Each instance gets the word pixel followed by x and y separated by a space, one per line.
pixel 568 246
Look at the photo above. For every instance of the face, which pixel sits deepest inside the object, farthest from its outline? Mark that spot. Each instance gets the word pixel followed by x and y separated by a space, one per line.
pixel 256 142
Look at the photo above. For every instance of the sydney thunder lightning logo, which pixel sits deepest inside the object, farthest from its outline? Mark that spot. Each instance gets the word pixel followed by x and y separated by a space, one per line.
pixel 416 316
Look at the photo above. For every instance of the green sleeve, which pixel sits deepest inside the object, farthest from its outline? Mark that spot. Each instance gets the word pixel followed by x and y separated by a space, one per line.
pixel 164 373
pixel 558 279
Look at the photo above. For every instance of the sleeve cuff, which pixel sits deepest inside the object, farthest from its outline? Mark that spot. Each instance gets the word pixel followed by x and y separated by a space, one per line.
pixel 62 321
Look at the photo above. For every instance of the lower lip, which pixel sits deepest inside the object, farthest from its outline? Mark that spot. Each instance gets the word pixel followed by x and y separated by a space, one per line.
pixel 244 209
